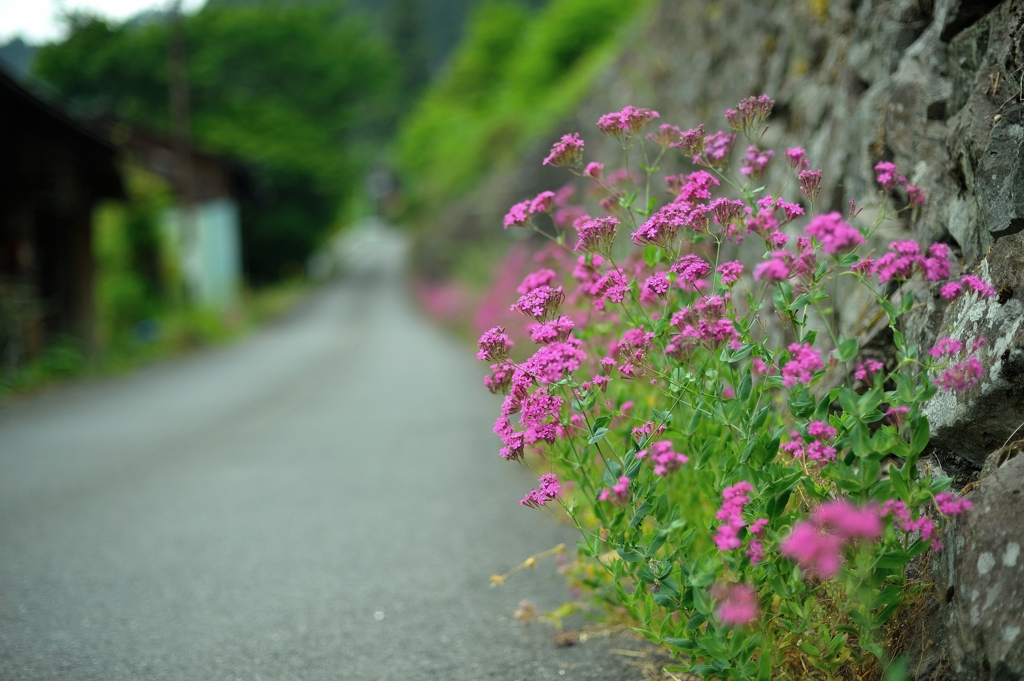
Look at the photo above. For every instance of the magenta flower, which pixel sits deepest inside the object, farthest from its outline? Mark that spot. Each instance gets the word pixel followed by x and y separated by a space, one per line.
pixel 730 272
pixel 896 415
pixel 755 163
pixel 821 430
pixel 797 158
pixel 866 370
pixel 658 284
pixel 693 187
pixel 627 122
pixel 950 506
pixel 815 551
pixel 750 114
pixel 663 457
pixel 737 604
pixel 716 148
pixel 555 331
pixel 792 210
pixel 568 151
pixel 946 347
pixel 846 521
pixel 977 285
pixel 666 136
pixel 540 303
pixel 691 142
pixel 734 498
pixel 500 378
pixel 903 520
pixel 617 493
pixel 596 235
pixel 691 267
pixel 804 361
pixel 494 345
pixel 535 280
pixel 916 195
pixel 887 175
pixel 777 268
pixel 727 210
pixel 594 170
pixel 833 233
pixel 542 203
pixel 810 183
pixel 547 490
pixel 518 215
pixel 962 376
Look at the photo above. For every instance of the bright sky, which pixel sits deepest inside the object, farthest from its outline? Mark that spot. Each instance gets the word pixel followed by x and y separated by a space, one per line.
pixel 37 21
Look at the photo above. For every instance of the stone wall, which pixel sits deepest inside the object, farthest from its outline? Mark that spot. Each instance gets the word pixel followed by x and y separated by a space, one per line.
pixel 936 87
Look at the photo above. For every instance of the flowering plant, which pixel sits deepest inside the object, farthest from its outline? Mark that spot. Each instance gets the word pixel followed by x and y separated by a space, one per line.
pixel 746 480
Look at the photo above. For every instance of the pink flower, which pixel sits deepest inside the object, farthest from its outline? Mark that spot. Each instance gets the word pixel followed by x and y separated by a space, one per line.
pixel 756 162
pixel 517 215
pixel 663 457
pixel 691 267
pixel 797 158
pixel 540 303
pixel 750 114
pixel 846 521
pixel 821 430
pixel 734 498
pixel 737 604
pixel 627 122
pixel 568 151
pixel 867 369
pixel 977 285
pixel 833 233
pixel 815 551
pixel 962 376
pixel 896 415
pixel 727 210
pixel 916 195
pixel 535 280
pixel 887 175
pixel 548 489
pixel 596 235
pixel 691 142
pixel 950 506
pixel 500 378
pixel 730 272
pixel 804 361
pixel 657 284
pixel 594 170
pixel 777 268
pixel 950 290
pixel 792 210
pixel 555 331
pixel 810 183
pixel 618 493
pixel 716 148
pixel 494 344
pixel 946 347
pixel 542 202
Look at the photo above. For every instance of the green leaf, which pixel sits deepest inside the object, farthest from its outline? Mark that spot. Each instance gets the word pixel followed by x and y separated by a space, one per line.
pixel 892 559
pixel 847 349
pixel 848 401
pixel 759 418
pixel 629 556
pixel 641 513
pixel 920 435
pixel 746 385
pixel 940 485
pixel 898 484
pixel 597 435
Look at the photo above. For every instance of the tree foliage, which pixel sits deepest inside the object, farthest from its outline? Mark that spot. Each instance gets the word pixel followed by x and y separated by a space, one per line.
pixel 305 91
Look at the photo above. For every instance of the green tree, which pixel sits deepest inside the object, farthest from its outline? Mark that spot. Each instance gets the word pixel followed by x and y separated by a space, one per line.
pixel 305 91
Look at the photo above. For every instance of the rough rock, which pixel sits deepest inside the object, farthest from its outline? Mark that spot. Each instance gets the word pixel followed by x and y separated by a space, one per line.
pixel 984 573
pixel 974 423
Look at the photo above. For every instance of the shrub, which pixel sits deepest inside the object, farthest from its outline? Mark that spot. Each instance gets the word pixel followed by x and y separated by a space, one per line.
pixel 745 478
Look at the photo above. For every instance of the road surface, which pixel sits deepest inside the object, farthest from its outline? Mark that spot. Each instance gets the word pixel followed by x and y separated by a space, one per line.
pixel 321 501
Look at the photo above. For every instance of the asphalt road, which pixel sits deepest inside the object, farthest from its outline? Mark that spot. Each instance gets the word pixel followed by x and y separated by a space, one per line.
pixel 321 501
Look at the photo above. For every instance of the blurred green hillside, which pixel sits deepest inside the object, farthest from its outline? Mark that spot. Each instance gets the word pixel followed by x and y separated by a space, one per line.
pixel 515 74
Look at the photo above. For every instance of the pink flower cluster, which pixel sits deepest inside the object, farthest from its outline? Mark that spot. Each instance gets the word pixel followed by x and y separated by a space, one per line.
pixel 903 519
pixel 950 506
pixel 664 459
pixel 704 324
pixel 810 183
pixel 797 158
pixel 730 515
pixel 716 149
pixel 804 361
pixel 556 330
pixel 617 493
pixel 777 268
pixel 568 151
pixel 666 136
pixel 547 490
pixel 818 449
pixel 888 175
pixel 968 282
pixel 961 376
pixel 730 272
pixel 756 162
pixel 596 235
pixel 737 603
pixel 867 369
pixel 750 114
pixel 627 122
pixel 904 258
pixel 691 142
pixel 494 345
pixel 833 233
pixel 540 303
pixel 816 544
